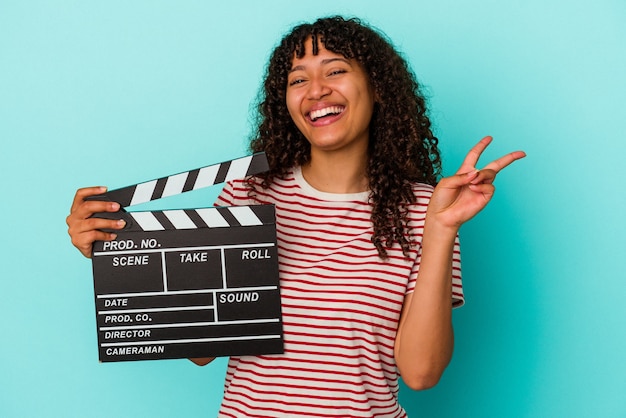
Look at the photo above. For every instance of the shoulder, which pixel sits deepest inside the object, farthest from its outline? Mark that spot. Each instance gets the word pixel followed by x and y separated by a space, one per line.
pixel 417 209
pixel 235 192
pixel 422 189
pixel 254 190
pixel 422 192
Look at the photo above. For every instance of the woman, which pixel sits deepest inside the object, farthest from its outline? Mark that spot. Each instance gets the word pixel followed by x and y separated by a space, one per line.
pixel 368 250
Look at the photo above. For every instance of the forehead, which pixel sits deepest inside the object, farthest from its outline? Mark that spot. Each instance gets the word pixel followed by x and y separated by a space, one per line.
pixel 309 52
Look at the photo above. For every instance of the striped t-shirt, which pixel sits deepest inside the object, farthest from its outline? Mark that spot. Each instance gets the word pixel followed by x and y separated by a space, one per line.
pixel 340 302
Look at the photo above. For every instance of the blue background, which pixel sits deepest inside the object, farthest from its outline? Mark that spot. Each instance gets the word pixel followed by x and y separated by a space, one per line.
pixel 117 92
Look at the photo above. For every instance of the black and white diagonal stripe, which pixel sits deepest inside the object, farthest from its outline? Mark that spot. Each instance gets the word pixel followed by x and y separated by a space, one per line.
pixel 187 181
pixel 201 218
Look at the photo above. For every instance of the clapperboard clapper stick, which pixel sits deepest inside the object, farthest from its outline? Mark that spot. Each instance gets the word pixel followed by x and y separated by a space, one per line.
pixel 188 282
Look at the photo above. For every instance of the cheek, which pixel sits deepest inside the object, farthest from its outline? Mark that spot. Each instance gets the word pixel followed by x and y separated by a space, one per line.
pixel 293 107
pixel 289 101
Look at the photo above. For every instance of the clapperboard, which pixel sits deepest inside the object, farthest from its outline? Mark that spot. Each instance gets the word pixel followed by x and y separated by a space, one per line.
pixel 190 282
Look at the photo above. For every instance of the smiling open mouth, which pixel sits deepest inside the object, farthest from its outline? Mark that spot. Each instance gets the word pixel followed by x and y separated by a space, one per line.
pixel 327 111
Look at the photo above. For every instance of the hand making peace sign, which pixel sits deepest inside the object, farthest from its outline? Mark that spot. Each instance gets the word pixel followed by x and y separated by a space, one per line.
pixel 458 198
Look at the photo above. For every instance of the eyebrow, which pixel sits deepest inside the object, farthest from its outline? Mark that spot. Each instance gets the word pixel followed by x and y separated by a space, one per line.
pixel 324 62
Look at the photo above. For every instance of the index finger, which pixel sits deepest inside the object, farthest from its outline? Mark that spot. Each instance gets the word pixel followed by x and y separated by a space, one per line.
pixel 82 193
pixel 502 162
pixel 472 157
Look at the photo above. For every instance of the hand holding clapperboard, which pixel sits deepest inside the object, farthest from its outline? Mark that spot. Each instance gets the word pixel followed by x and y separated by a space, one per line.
pixel 188 283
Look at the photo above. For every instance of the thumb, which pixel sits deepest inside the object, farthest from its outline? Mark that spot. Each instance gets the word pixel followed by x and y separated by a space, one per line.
pixel 459 180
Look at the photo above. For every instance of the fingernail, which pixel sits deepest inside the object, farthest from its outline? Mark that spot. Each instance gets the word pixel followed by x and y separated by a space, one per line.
pixel 121 222
pixel 113 236
pixel 115 206
pixel 472 174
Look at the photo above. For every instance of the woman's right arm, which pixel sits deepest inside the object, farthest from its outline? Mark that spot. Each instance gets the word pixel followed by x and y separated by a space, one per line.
pixel 83 229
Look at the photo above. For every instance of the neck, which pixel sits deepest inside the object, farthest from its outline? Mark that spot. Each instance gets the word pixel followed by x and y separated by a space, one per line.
pixel 333 173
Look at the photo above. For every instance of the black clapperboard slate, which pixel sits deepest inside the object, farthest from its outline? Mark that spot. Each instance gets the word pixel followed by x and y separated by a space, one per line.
pixel 190 282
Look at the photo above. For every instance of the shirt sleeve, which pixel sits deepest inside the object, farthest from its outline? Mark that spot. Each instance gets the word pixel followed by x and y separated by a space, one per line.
pixel 458 298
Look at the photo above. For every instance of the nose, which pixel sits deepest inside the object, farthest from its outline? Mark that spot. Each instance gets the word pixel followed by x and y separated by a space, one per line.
pixel 318 88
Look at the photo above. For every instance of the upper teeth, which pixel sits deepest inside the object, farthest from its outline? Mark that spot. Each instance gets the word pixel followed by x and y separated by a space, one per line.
pixel 316 114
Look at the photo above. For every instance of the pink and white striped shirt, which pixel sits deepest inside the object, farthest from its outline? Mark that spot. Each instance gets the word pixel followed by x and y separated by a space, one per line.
pixel 341 305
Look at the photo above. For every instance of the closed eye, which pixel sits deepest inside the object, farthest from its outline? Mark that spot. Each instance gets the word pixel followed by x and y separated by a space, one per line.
pixel 336 72
pixel 296 81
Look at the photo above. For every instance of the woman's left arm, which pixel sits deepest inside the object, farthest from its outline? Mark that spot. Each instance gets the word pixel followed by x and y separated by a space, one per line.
pixel 425 339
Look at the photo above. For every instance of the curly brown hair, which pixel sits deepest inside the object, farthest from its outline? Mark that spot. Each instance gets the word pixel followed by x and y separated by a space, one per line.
pixel 402 147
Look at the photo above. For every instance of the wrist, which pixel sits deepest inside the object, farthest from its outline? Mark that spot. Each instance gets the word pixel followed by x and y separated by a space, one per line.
pixel 434 229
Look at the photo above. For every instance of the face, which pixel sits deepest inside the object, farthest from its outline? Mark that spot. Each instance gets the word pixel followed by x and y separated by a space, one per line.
pixel 330 100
